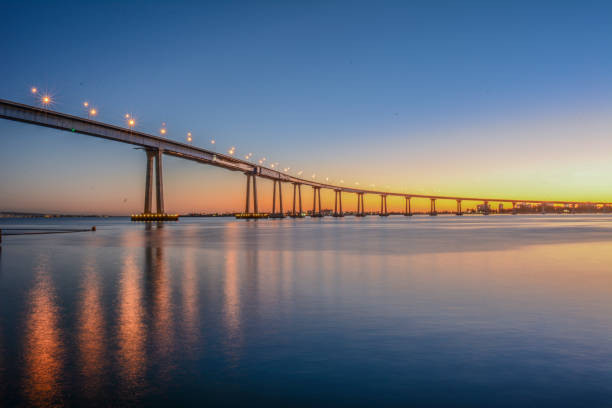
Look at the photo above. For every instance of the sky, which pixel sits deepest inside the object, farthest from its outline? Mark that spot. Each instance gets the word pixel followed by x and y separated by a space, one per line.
pixel 503 99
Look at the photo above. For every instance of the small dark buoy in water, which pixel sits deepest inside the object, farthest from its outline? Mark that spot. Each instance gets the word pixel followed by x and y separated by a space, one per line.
pixel 93 228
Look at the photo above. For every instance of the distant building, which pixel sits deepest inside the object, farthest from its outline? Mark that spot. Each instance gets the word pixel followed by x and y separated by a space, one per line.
pixel 482 208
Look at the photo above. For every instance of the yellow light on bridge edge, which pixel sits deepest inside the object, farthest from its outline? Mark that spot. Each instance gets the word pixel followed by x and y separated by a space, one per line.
pixel 33 90
pixel 46 99
pixel 189 136
pixel 131 122
pixel 162 131
pixel 93 112
pixel 86 104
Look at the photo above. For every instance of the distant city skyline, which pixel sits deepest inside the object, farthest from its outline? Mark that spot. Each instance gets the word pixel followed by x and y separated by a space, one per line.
pixel 464 99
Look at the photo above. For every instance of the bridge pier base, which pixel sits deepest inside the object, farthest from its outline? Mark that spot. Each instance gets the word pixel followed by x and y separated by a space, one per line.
pixel 383 206
pixel 459 212
pixel 338 203
pixel 159 182
pixel 432 207
pixel 275 214
pixel 154 160
pixel 408 212
pixel 247 214
pixel 316 198
pixel 360 211
pixel 149 182
pixel 297 189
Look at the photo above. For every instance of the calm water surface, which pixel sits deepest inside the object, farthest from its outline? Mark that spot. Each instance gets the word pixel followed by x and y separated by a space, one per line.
pixel 422 311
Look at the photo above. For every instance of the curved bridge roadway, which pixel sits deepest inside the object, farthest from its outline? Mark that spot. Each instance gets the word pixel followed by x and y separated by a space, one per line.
pixel 156 147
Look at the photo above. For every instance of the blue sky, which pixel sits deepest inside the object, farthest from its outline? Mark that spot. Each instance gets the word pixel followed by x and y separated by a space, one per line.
pixel 406 94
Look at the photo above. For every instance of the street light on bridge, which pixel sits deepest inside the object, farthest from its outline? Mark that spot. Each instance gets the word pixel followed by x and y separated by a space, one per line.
pixel 189 139
pixel 46 100
pixel 34 92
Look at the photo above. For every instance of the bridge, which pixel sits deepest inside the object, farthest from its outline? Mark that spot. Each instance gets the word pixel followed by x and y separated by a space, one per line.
pixel 156 147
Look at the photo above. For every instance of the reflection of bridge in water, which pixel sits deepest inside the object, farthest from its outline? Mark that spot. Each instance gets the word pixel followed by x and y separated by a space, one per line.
pixel 155 147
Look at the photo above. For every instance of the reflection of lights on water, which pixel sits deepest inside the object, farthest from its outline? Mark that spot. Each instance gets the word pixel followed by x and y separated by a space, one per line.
pixel 43 348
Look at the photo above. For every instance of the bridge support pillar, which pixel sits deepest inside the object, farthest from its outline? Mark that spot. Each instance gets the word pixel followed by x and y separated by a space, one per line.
pixel 280 214
pixel 338 203
pixel 297 192
pixel 514 210
pixel 486 208
pixel 280 198
pixel 154 156
pixel 316 199
pixel 432 207
pixel 543 208
pixel 360 209
pixel 459 208
pixel 247 207
pixel 408 211
pixel 335 203
pixel 148 201
pixel 383 205
pixel 273 197
pixel 159 182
